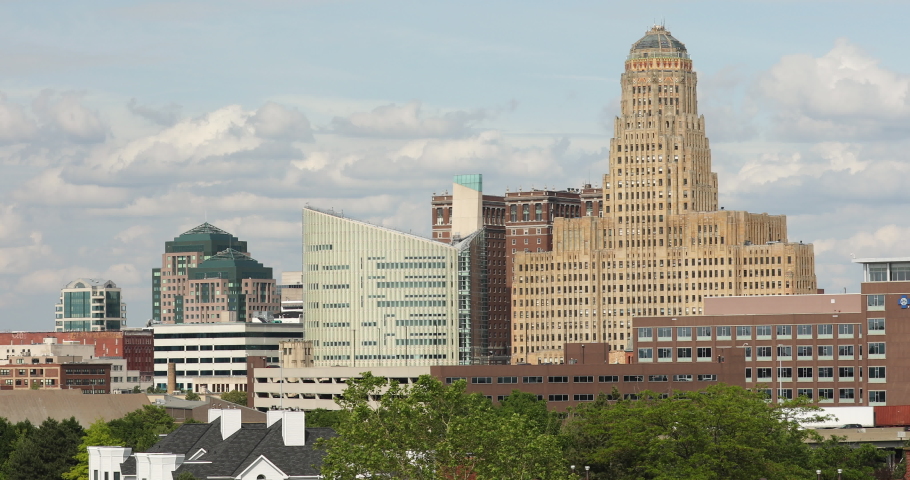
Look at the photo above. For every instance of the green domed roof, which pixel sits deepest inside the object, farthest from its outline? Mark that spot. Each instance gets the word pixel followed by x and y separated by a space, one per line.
pixel 657 40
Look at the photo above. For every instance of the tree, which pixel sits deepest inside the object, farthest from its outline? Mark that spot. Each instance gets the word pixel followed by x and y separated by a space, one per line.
pixel 324 418
pixel 722 432
pixel 46 452
pixel 99 434
pixel 432 431
pixel 140 428
pixel 185 476
pixel 136 389
pixel 857 461
pixel 192 396
pixel 533 409
pixel 235 396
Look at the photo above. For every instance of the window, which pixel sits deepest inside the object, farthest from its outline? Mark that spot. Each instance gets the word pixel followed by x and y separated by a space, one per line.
pixel 784 393
pixel 476 380
pixel 784 351
pixel 877 350
pixel 764 373
pixel 531 379
pixel 876 326
pixel 584 397
pixel 684 333
pixel 645 333
pixel 764 353
pixel 748 374
pixel 723 333
pixel 584 379
pixel 507 380
pixel 645 354
pixel 878 273
pixel 784 373
pixel 825 331
pixel 825 394
pixel 876 374
pixel 845 373
pixel 682 378
pixel 804 373
pixel 763 331
pixel 608 378
pixel 743 333
pixel 804 352
pixel 557 398
pixel 804 392
pixel 451 380
pixel 664 354
pixel 876 396
pixel 845 352
pixel 825 352
pixel 804 331
pixel 826 373
pixel 665 333
pixel 633 378
pixel 784 331
pixel 845 395
pixel 657 378
pixel 707 378
pixel 845 330
pixel 704 333
pixel 557 379
pixel 684 354
pixel 875 302
pixel 704 354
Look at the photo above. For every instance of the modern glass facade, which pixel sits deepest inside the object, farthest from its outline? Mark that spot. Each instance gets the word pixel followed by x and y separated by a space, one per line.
pixel 377 297
pixel 88 305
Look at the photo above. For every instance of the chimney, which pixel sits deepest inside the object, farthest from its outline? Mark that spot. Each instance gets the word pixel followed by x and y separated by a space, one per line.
pixel 171 377
pixel 272 416
pixel 293 428
pixel 230 422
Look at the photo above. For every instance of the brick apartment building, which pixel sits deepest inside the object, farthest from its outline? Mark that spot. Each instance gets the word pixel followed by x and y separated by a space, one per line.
pixel 135 345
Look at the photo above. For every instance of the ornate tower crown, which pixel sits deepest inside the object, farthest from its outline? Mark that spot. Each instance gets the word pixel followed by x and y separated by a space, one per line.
pixel 658 50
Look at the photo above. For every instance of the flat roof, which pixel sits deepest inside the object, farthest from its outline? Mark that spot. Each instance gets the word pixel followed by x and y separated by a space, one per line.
pixel 881 260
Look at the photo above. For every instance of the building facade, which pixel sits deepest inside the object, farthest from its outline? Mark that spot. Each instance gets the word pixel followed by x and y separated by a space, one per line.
pixel 207 275
pixel 90 305
pixel 661 244
pixel 376 297
pixel 212 358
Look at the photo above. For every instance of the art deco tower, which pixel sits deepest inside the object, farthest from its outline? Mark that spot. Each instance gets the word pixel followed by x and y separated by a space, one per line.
pixel 661 244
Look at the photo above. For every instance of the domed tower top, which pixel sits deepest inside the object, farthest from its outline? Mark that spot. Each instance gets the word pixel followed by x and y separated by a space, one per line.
pixel 658 50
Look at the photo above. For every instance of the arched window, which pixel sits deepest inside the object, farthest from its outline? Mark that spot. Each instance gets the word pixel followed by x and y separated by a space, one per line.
pixel 260 477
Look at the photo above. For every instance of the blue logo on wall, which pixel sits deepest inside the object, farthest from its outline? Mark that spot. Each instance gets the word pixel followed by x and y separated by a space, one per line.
pixel 904 302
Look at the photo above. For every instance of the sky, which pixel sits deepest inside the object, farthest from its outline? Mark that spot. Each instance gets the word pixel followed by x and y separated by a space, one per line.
pixel 123 124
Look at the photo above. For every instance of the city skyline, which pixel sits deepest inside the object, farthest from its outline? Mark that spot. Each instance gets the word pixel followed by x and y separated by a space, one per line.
pixel 113 147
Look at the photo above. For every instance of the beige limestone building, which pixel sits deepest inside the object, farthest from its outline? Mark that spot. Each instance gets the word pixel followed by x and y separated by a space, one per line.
pixel 661 245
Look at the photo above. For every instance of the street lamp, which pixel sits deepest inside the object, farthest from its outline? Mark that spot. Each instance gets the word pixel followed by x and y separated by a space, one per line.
pixel 573 469
pixel 839 472
pixel 818 475
pixel 587 472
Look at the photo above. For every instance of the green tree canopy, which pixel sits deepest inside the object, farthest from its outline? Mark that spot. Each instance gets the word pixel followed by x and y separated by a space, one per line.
pixel 432 431
pixel 534 410
pixel 45 453
pixel 99 434
pixel 140 428
pixel 723 432
pixel 324 418
pixel 192 396
pixel 235 396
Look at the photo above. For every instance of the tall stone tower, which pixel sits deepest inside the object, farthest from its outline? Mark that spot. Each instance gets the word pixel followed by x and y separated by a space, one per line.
pixel 661 245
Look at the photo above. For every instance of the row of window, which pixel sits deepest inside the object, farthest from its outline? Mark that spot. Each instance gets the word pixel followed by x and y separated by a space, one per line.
pixel 827 395
pixel 876 326
pixel 876 350
pixel 588 379
pixel 703 354
pixel 848 374
pixel 204 373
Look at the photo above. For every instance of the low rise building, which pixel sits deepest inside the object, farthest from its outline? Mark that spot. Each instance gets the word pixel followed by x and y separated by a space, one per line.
pixel 223 448
pixel 212 357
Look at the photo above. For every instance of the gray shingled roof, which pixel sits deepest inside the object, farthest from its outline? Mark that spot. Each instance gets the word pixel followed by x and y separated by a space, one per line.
pixel 231 456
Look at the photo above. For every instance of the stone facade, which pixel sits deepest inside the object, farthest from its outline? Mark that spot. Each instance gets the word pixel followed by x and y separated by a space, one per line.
pixel 660 245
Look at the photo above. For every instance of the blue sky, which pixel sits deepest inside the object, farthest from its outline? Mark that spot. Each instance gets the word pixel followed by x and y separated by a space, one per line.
pixel 124 123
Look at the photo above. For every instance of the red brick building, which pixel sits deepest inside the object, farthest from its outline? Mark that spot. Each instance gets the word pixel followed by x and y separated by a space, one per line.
pixel 91 378
pixel 136 346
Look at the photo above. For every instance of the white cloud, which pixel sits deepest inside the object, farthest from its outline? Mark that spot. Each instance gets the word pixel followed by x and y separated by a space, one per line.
pixel 166 116
pixel 15 125
pixel 50 189
pixel 66 114
pixel 843 94
pixel 280 123
pixel 408 121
